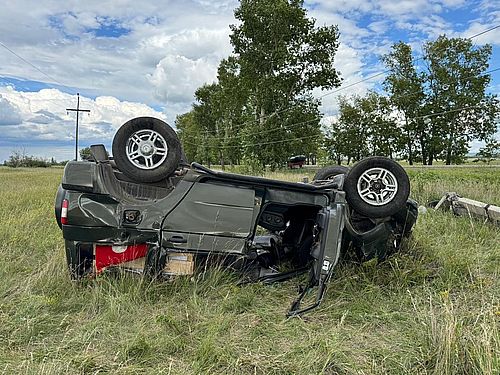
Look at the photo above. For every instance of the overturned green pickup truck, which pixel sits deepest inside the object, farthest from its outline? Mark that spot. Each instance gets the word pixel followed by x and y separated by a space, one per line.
pixel 147 211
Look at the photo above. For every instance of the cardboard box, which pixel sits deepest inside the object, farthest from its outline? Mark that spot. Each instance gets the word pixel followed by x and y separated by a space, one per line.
pixel 179 264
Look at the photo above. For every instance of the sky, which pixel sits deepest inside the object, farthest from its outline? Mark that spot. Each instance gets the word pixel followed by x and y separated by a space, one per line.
pixel 128 58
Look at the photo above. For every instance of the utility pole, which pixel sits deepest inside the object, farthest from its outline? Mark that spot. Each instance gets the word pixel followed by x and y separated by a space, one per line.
pixel 77 110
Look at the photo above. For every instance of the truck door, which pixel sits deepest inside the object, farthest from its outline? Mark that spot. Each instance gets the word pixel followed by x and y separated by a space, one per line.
pixel 211 218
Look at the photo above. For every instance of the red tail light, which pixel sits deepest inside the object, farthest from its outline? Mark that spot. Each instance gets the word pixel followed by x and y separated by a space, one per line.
pixel 64 212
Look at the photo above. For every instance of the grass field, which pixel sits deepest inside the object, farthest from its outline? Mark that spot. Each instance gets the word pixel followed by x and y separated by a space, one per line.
pixel 434 308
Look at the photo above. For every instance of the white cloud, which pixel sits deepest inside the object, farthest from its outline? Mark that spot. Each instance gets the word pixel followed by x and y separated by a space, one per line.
pixel 379 27
pixel 407 8
pixel 492 37
pixel 432 26
pixel 343 6
pixel 44 116
pixel 9 112
pixel 192 58
pixel 57 37
pixel 453 3
pixel 176 77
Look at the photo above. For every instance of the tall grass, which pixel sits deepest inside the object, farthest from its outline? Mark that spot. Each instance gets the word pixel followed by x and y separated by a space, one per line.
pixel 433 308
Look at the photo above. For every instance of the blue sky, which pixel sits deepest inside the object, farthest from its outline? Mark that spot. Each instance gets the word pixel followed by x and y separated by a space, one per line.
pixel 130 60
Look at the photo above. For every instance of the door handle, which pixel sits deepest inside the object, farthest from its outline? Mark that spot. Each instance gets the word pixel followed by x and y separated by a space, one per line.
pixel 177 239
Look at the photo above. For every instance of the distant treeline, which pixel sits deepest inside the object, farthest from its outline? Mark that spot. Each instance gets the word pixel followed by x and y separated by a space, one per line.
pixel 20 159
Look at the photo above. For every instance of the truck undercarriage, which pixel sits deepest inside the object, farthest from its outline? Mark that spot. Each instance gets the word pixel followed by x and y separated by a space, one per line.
pixel 268 230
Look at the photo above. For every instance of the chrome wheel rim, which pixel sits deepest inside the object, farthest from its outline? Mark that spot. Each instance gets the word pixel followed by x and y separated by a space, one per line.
pixel 377 186
pixel 146 149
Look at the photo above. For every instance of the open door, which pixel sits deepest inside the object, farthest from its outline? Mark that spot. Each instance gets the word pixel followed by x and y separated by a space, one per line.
pixel 325 252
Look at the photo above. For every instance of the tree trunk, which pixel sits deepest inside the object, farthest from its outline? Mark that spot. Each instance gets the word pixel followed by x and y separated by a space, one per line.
pixel 221 155
pixel 262 117
pixel 423 147
pixel 449 149
pixel 410 148
pixel 448 155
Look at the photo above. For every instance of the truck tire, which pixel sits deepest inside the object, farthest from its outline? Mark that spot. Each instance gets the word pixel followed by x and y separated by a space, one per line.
pixel 327 173
pixel 377 187
pixel 146 149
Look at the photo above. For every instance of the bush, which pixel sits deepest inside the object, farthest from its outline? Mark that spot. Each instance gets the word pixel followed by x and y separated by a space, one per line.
pixel 20 159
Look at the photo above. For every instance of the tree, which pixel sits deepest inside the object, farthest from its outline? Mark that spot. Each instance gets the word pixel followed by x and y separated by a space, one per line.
pixel 384 137
pixel 282 57
pixel 211 128
pixel 232 101
pixel 447 105
pixel 457 103
pixel 490 151
pixel 191 135
pixel 351 130
pixel 19 158
pixel 405 87
pixel 85 153
pixel 334 142
pixel 365 127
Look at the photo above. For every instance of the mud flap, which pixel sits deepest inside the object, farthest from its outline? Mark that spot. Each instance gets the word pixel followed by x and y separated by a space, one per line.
pixel 156 258
pixel 325 252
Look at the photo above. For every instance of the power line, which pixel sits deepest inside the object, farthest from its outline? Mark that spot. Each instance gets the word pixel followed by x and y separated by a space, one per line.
pixel 342 88
pixel 32 65
pixel 333 92
pixel 388 70
pixel 286 127
pixel 257 144
pixel 483 32
pixel 316 136
pixel 469 77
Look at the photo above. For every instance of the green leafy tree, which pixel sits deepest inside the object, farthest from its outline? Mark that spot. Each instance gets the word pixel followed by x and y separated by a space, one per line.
pixel 384 137
pixel 191 135
pixel 457 103
pixel 447 105
pixel 334 142
pixel 281 56
pixel 490 151
pixel 85 153
pixel 211 128
pixel 19 158
pixel 207 114
pixel 405 87
pixel 231 99
pixel 366 127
